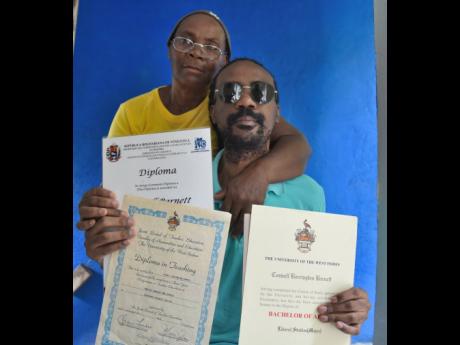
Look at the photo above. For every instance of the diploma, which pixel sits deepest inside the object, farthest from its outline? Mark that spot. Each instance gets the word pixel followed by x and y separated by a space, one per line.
pixel 172 166
pixel 162 288
pixel 296 260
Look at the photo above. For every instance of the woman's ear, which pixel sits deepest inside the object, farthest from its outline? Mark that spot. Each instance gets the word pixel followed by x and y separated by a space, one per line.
pixel 212 115
pixel 170 51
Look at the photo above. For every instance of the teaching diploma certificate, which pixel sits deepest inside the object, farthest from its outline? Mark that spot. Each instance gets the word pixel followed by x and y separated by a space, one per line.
pixel 162 288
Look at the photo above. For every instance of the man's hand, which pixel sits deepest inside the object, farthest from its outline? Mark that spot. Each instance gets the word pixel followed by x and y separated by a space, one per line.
pixel 96 203
pixel 348 310
pixel 240 193
pixel 109 234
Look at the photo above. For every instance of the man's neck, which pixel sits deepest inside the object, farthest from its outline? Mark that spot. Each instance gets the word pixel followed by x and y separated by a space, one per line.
pixel 233 163
pixel 179 98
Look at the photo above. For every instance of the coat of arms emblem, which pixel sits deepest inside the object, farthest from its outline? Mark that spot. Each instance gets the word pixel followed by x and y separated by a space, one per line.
pixel 113 153
pixel 173 222
pixel 305 237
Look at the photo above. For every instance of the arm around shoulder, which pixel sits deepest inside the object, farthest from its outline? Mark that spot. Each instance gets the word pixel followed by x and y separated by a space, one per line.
pixel 288 154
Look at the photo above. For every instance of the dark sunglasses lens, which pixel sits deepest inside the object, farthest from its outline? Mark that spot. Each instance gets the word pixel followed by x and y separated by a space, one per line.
pixel 231 92
pixel 261 92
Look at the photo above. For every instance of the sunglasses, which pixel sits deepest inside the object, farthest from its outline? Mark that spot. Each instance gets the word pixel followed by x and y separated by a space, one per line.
pixel 260 92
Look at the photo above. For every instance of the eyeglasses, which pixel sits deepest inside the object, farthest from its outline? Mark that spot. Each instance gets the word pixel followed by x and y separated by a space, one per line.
pixel 184 45
pixel 260 92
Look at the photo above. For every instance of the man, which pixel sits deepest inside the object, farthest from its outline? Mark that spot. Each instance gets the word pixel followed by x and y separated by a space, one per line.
pixel 199 45
pixel 243 105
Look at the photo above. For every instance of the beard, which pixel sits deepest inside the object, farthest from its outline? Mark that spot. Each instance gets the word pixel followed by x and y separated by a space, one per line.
pixel 239 146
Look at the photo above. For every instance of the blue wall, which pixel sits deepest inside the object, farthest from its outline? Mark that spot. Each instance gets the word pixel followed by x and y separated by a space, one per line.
pixel 322 54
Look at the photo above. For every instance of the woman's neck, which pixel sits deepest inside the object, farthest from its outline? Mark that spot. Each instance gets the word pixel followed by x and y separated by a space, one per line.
pixel 179 99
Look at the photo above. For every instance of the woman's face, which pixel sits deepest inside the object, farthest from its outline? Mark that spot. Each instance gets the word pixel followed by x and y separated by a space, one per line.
pixel 192 67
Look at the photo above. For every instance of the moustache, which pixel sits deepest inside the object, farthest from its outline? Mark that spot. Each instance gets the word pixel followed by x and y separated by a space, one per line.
pixel 233 118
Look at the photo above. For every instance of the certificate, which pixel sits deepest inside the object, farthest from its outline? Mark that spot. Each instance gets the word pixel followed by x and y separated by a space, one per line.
pixel 162 288
pixel 172 166
pixel 296 260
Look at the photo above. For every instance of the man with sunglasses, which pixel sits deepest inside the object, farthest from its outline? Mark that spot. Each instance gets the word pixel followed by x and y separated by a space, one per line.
pixel 243 103
pixel 198 47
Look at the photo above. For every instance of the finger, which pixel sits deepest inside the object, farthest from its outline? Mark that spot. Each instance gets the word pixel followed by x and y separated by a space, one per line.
pixel 100 191
pixel 98 201
pixel 219 195
pixel 238 226
pixel 115 212
pixel 348 318
pixel 236 213
pixel 109 237
pixel 246 209
pixel 110 224
pixel 227 204
pixel 86 224
pixel 350 294
pixel 87 212
pixel 100 252
pixel 348 329
pixel 346 306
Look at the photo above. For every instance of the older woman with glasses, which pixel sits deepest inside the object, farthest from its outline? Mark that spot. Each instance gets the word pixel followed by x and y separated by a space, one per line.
pixel 198 47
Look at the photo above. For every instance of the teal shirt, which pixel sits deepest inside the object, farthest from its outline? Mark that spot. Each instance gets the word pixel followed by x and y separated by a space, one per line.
pixel 301 193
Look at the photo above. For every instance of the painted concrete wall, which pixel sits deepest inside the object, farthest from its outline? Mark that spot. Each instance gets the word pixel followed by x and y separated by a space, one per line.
pixel 323 57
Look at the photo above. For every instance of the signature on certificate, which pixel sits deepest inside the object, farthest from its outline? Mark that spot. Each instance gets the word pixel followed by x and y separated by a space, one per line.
pixel 140 324
pixel 170 332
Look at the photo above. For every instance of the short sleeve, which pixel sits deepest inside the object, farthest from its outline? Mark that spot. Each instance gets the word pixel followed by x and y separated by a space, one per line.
pixel 120 124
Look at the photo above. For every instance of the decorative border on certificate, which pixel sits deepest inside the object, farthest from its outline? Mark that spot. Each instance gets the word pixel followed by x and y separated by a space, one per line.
pixel 113 293
pixel 218 226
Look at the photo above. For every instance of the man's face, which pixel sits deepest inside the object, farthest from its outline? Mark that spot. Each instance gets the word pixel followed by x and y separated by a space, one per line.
pixel 193 67
pixel 244 125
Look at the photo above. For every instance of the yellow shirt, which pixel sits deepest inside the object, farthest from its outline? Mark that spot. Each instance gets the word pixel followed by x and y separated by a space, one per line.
pixel 146 113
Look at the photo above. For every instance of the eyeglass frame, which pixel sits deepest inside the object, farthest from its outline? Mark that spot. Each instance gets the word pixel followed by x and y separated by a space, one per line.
pixel 221 52
pixel 221 96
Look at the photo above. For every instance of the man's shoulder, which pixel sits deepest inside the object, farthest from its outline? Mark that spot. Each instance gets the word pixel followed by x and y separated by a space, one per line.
pixel 303 181
pixel 306 193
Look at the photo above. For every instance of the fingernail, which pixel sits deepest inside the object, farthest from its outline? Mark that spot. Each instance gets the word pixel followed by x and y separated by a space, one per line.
pixel 323 318
pixel 339 324
pixel 125 243
pixel 102 212
pixel 114 203
pixel 124 213
pixel 322 309
pixel 130 222
pixel 333 299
